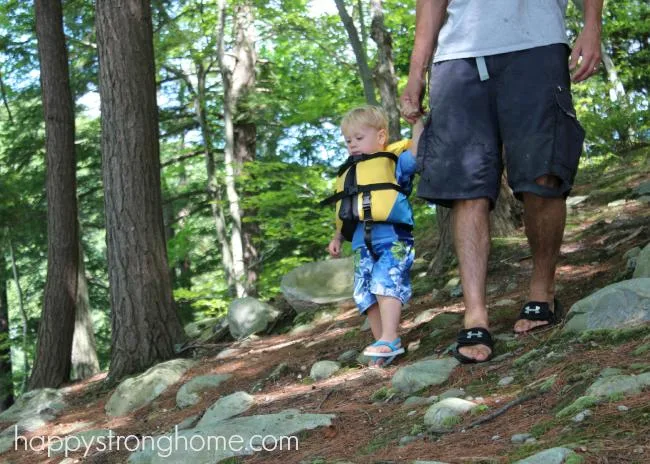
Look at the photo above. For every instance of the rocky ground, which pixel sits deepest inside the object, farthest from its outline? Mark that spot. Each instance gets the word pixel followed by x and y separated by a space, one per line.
pixel 580 394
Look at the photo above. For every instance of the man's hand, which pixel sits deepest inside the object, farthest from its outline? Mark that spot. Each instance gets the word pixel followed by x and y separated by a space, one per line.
pixel 587 47
pixel 411 100
pixel 334 248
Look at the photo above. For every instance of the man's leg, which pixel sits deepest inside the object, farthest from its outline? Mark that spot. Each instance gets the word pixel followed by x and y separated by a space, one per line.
pixel 471 229
pixel 544 220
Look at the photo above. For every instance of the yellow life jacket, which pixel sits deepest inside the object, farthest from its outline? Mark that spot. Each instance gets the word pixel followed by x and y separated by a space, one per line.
pixel 367 190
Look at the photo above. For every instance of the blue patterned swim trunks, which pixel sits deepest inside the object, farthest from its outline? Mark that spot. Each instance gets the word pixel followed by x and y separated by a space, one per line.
pixel 388 276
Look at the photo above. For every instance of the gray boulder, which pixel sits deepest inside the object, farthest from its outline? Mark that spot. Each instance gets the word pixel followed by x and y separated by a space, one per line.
pixel 642 268
pixel 441 414
pixel 247 316
pixel 642 189
pixel 135 392
pixel 227 407
pixel 311 285
pixel 413 377
pixel 623 304
pixel 549 456
pixel 41 402
pixel 323 369
pixel 237 437
pixel 619 385
pixel 189 393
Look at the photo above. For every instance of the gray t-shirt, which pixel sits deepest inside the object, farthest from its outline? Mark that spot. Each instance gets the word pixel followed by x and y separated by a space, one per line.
pixel 488 27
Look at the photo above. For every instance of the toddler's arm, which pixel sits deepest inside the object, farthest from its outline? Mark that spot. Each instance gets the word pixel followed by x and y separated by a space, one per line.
pixel 418 127
pixel 334 248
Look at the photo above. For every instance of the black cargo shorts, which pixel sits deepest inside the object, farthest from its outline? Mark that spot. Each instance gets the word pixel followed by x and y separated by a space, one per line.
pixel 523 107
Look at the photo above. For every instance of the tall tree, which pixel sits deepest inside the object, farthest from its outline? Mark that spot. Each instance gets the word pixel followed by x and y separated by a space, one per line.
pixel 6 379
pixel 384 70
pixel 238 76
pixel 84 351
pixel 52 363
pixel 144 322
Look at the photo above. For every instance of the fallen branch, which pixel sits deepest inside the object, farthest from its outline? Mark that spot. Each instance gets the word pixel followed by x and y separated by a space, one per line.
pixel 503 409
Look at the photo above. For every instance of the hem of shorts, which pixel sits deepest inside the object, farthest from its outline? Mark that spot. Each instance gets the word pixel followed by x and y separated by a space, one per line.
pixel 363 311
pixel 446 200
pixel 402 300
pixel 495 51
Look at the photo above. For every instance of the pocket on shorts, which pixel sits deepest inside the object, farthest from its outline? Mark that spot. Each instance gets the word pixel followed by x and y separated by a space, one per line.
pixel 569 134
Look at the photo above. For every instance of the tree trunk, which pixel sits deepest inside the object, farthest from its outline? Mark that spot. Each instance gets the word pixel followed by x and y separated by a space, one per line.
pixel 84 351
pixel 385 71
pixel 245 129
pixel 507 214
pixel 145 326
pixel 6 378
pixel 233 85
pixel 52 363
pixel 23 315
pixel 213 187
pixel 505 218
pixel 359 53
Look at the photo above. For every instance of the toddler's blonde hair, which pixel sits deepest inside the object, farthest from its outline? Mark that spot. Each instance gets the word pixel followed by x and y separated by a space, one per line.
pixel 367 115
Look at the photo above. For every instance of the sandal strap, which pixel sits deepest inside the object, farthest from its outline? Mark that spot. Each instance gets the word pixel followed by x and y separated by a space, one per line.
pixel 537 311
pixel 394 345
pixel 475 336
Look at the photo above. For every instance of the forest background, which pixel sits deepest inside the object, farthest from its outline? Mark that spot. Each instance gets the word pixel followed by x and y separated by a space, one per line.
pixel 249 94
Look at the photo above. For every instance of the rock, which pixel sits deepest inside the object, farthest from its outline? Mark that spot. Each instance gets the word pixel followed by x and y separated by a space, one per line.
pixel 363 359
pixel 581 416
pixel 505 302
pixel 572 202
pixel 348 357
pixel 425 316
pixel 323 369
pixel 623 304
pixel 238 436
pixel 642 189
pixel 413 346
pixel 46 402
pixel 429 462
pixel 456 292
pixel 511 287
pixel 441 415
pixel 632 253
pixel 418 401
pixel 452 393
pixel 88 440
pixel 619 384
pixel 505 381
pixel 365 326
pixel 610 371
pixel 549 456
pixel 644 199
pixel 622 408
pixel 435 293
pixel 228 353
pixel 411 378
pixel 135 392
pixel 204 329
pixel 188 423
pixel 248 316
pixel 225 408
pixel 520 437
pixel 407 439
pixel 642 268
pixel 492 288
pixel 189 393
pixel 311 285
pixel 617 203
pixel 579 405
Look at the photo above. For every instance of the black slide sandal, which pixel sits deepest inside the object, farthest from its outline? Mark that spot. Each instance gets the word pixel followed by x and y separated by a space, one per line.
pixel 473 337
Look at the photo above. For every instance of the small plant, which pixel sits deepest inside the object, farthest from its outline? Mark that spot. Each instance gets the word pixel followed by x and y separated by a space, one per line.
pixel 416 429
pixel 449 422
pixel 480 409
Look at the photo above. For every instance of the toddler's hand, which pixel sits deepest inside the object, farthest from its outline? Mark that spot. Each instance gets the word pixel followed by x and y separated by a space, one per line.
pixel 334 248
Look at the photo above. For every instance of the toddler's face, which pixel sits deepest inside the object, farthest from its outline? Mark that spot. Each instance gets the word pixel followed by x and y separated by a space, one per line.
pixel 365 139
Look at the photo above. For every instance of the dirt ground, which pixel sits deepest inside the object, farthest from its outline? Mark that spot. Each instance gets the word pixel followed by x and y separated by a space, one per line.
pixel 368 432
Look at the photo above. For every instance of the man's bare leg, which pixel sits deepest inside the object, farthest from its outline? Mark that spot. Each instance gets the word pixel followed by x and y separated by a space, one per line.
pixel 544 220
pixel 471 230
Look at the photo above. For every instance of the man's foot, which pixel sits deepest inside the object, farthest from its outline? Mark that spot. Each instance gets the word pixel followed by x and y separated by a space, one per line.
pixel 474 345
pixel 536 314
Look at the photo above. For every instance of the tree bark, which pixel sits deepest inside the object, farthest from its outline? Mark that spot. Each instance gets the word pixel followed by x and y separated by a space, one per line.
pixel 84 350
pixel 145 326
pixel 245 129
pixel 52 363
pixel 385 71
pixel 6 378
pixel 359 53
pixel 234 84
